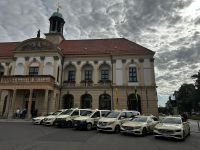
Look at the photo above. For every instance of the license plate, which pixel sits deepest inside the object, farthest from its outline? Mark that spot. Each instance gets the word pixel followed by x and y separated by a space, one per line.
pixel 75 125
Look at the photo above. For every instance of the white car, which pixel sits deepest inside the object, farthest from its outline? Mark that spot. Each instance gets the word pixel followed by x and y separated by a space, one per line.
pixel 172 127
pixel 141 125
pixel 89 120
pixel 114 119
pixel 66 118
pixel 39 119
pixel 49 120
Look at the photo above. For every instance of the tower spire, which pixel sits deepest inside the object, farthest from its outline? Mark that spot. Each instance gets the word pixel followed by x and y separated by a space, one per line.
pixel 58 6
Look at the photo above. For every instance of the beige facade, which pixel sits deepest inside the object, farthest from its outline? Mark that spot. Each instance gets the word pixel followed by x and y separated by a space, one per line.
pixel 40 75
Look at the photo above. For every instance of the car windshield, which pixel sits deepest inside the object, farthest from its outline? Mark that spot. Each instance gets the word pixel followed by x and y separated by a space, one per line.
pixel 67 112
pixel 56 113
pixel 86 113
pixel 112 114
pixel 140 119
pixel 171 120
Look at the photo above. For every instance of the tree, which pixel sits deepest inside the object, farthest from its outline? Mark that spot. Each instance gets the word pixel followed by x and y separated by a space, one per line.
pixel 185 98
pixel 197 91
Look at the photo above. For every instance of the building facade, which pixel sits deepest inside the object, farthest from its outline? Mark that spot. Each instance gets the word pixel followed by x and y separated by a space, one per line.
pixel 53 73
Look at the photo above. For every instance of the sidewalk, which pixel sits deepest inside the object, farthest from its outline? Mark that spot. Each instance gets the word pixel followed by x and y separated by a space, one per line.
pixel 15 120
pixel 194 125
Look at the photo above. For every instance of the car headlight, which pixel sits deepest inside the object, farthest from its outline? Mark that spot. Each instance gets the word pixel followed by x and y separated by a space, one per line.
pixel 109 123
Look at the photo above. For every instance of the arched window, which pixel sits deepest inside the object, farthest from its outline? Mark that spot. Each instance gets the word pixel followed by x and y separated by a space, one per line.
pixel 68 101
pixel 105 102
pixel 87 72
pixel 132 74
pixel 70 73
pixel 86 101
pixel 134 102
pixel 34 69
pixel 104 72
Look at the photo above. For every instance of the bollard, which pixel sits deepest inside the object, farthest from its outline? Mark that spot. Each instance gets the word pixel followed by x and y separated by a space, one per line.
pixel 198 125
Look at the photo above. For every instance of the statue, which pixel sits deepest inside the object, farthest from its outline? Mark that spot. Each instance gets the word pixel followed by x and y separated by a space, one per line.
pixel 38 34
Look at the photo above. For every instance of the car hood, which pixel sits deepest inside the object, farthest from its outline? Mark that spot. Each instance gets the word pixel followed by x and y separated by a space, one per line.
pixel 62 116
pixel 168 126
pixel 107 119
pixel 133 124
pixel 82 118
pixel 51 116
pixel 40 117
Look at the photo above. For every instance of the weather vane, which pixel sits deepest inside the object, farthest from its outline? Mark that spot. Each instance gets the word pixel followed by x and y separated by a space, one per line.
pixel 58 5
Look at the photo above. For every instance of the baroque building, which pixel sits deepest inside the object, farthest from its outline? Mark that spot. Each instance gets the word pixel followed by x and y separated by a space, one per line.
pixel 54 73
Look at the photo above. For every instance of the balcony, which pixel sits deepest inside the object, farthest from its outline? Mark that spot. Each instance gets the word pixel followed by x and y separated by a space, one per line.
pixel 105 82
pixel 86 83
pixel 27 82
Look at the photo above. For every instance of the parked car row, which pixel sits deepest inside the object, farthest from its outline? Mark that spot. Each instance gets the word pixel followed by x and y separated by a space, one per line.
pixel 124 121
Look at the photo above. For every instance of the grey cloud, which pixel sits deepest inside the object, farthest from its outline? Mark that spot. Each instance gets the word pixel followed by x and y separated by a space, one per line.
pixel 156 24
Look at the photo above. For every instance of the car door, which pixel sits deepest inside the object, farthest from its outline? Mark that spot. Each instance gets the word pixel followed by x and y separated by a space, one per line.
pixel 122 118
pixel 95 117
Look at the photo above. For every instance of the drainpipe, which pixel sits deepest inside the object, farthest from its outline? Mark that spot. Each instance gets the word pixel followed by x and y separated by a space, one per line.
pixel 112 101
pixel 61 82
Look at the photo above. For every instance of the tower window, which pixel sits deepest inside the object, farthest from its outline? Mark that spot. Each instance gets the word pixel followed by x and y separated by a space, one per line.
pixel 132 74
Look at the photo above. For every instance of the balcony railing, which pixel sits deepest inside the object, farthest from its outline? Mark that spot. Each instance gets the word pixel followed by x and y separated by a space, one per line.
pixel 21 79
pixel 104 82
pixel 86 83
pixel 69 83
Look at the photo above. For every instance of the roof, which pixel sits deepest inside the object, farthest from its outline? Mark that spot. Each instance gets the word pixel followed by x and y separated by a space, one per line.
pixel 103 46
pixel 88 47
pixel 6 49
pixel 57 14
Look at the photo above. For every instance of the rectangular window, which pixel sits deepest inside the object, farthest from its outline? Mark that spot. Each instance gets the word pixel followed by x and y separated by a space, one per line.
pixel 33 71
pixel 88 75
pixel 71 75
pixel 132 74
pixel 104 74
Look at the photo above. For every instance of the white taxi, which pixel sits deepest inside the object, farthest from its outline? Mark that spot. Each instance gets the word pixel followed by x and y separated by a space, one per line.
pixel 89 121
pixel 172 127
pixel 39 119
pixel 49 120
pixel 141 125
pixel 66 119
pixel 114 119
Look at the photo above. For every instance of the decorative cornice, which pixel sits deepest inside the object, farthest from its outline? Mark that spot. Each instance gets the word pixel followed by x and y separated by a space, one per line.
pixel 56 57
pixel 42 58
pixel 27 58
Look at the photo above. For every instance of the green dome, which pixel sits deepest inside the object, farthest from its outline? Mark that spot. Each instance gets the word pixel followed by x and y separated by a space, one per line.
pixel 57 14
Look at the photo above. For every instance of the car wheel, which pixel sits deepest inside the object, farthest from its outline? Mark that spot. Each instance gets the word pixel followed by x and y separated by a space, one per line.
pixel 41 122
pixel 89 126
pixel 69 124
pixel 117 129
pixel 189 132
pixel 183 136
pixel 144 132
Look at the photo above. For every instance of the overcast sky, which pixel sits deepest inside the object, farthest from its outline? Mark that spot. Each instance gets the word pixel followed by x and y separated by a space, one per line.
pixel 171 28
